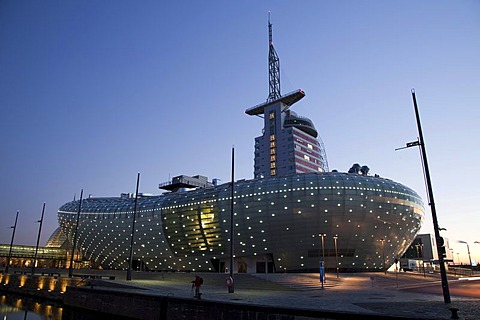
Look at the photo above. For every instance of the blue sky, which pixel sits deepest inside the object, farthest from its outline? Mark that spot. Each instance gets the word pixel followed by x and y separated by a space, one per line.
pixel 92 92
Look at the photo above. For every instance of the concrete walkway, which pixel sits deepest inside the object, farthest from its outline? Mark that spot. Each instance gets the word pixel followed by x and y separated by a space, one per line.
pixel 363 293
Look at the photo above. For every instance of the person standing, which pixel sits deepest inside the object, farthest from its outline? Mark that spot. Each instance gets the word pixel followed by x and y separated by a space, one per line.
pixel 197 283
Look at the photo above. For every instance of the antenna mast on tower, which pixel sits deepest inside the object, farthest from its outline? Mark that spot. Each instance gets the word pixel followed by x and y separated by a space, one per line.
pixel 273 67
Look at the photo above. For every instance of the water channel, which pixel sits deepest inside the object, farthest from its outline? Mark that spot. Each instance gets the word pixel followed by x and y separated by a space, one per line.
pixel 13 307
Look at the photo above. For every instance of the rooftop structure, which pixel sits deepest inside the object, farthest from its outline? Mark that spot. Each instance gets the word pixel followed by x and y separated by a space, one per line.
pixel 187 182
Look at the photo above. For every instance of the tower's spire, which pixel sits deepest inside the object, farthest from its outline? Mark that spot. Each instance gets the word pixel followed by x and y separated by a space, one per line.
pixel 273 67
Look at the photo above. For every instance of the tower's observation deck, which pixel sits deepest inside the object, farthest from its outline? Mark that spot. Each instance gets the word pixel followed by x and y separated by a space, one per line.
pixel 287 100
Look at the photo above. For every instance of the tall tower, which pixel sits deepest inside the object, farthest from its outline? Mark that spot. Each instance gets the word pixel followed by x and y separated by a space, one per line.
pixel 273 67
pixel 289 142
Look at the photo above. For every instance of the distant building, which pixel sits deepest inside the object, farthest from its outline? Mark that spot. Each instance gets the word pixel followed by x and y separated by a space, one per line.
pixel 55 254
pixel 424 248
pixel 423 252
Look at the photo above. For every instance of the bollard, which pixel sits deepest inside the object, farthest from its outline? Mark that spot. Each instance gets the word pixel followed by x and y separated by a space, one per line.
pixel 454 313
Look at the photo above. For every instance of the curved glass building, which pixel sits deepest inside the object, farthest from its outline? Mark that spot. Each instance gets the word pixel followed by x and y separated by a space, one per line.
pixel 278 225
pixel 292 215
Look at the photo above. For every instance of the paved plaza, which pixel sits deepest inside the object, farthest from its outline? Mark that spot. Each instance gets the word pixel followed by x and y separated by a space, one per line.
pixel 364 293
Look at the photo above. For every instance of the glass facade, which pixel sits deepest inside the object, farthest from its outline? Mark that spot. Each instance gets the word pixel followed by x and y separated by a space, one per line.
pixel 277 225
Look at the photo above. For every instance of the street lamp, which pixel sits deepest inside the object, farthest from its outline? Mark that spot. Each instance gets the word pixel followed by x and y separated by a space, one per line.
pixel 336 252
pixel 383 255
pixel 230 280
pixel 14 227
pixel 469 257
pixel 423 259
pixel 38 240
pixel 440 241
pixel 417 247
pixel 75 233
pixel 130 259
pixel 477 242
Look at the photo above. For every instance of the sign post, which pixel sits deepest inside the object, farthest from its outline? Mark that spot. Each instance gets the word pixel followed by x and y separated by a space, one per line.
pixel 322 272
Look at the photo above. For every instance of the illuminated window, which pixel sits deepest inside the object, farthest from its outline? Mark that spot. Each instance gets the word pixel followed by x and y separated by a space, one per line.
pixel 309 146
pixel 272 158
pixel 272 151
pixel 306 157
pixel 272 165
pixel 273 172
pixel 272 137
pixel 272 115
pixel 272 144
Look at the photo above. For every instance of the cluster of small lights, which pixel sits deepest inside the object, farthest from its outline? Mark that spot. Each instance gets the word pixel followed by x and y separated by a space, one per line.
pixel 278 218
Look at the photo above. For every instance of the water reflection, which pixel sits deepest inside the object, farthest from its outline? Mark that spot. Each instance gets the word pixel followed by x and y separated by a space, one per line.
pixel 21 307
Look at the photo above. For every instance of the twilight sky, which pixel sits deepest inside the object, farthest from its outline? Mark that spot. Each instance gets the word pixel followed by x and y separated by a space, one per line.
pixel 92 92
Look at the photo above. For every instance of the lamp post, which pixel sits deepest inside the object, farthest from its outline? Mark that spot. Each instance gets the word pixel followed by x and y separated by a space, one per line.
pixel 453 262
pixel 383 255
pixel 336 252
pixel 417 250
pixel 477 243
pixel 14 227
pixel 423 260
pixel 70 268
pixel 130 259
pixel 469 257
pixel 439 240
pixel 230 283
pixel 38 240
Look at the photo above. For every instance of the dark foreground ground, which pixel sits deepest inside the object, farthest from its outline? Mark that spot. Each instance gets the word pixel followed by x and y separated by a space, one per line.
pixel 408 295
pixel 403 294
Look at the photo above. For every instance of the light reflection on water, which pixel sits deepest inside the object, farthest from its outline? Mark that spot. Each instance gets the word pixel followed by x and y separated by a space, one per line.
pixel 17 307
